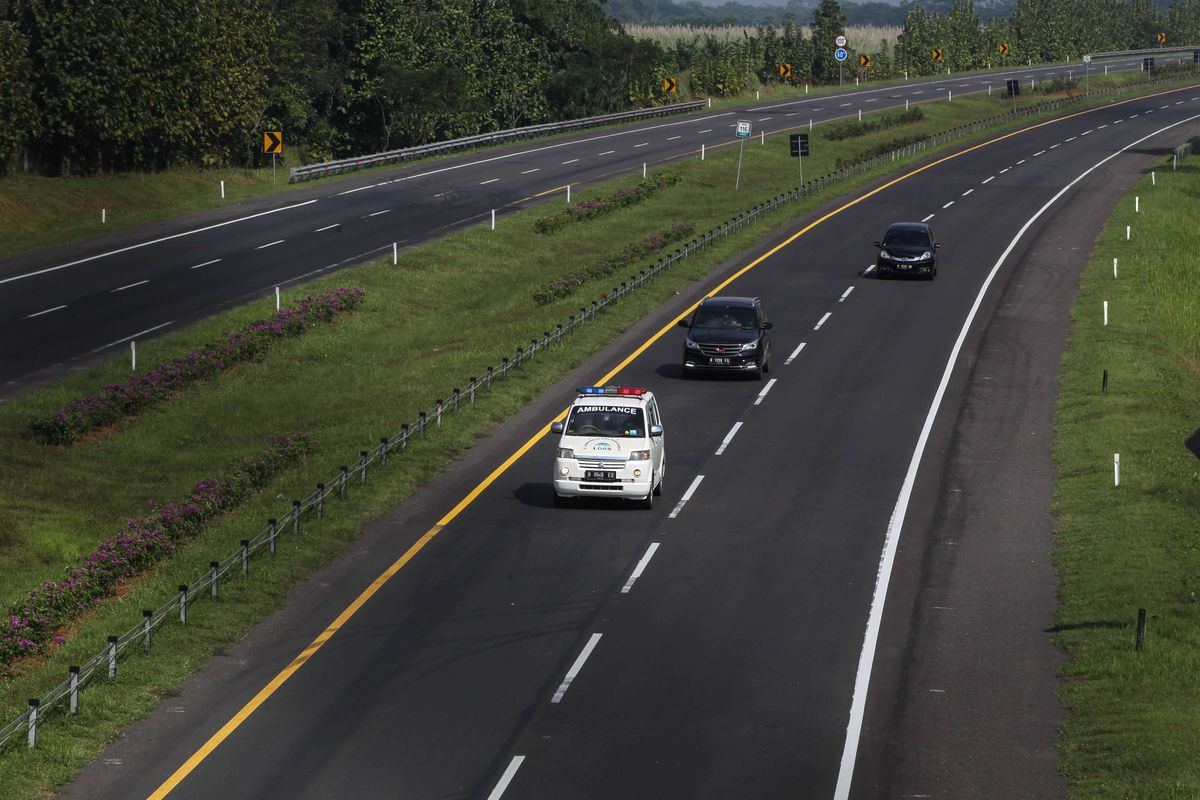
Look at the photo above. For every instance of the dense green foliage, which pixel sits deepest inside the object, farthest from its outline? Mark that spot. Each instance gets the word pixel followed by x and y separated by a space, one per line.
pixel 141 84
pixel 129 84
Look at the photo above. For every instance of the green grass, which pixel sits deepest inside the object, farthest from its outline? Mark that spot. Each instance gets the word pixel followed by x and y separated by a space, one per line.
pixel 447 311
pixel 1134 730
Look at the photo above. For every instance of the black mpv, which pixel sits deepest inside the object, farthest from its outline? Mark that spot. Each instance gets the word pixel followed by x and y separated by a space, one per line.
pixel 907 248
pixel 727 334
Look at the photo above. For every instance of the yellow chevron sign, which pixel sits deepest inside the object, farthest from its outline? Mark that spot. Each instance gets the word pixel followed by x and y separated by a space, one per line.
pixel 670 84
pixel 937 54
pixel 1002 49
pixel 785 70
pixel 272 141
pixel 864 60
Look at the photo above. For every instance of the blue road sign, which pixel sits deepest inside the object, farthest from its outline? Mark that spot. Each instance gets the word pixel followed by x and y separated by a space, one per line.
pixel 840 54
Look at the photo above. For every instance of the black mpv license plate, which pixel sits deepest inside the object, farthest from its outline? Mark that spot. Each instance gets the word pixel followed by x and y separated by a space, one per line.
pixel 719 361
pixel 599 475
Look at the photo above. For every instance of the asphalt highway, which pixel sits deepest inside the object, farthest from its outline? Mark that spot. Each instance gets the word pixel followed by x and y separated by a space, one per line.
pixel 73 304
pixel 775 624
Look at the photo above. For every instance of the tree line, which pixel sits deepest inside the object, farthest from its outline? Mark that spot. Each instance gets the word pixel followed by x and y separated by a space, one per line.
pixel 105 85
pixel 108 85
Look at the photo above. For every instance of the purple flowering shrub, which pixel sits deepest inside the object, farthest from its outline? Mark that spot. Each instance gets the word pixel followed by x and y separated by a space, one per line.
pixel 572 282
pixel 118 400
pixel 30 622
pixel 622 198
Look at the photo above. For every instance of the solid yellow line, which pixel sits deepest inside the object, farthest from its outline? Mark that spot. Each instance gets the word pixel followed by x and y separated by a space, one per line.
pixel 249 708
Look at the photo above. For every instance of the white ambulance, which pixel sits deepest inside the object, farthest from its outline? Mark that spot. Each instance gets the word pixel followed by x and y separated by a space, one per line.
pixel 610 445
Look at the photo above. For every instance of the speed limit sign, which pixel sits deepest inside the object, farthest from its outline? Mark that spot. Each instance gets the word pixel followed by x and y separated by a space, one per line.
pixel 840 41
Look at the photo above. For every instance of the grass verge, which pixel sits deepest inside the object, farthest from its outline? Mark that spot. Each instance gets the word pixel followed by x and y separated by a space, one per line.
pixel 450 308
pixel 1134 729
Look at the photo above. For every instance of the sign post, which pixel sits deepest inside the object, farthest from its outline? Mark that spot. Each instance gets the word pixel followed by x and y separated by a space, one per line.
pixel 743 133
pixel 840 54
pixel 799 142
pixel 273 144
pixel 1087 73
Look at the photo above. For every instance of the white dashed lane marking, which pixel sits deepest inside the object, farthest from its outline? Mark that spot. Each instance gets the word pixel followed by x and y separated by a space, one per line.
pixel 1038 153
pixel 607 152
pixel 822 320
pixel 269 244
pixel 47 311
pixel 334 225
pixel 728 438
pixel 573 672
pixel 673 138
pixel 686 496
pixel 570 161
pixel 948 205
pixel 641 567
pixel 928 218
pixel 128 286
pixel 205 264
pixel 967 192
pixel 643 144
pixel 763 394
pixel 989 180
pixel 536 169
pixel 1006 169
pixel 845 294
pixel 490 180
pixel 505 779
pixel 706 130
pixel 386 210
pixel 796 352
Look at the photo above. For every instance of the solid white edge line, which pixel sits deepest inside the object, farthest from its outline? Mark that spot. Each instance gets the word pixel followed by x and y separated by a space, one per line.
pixel 505 779
pixel 762 395
pixel 270 244
pixel 686 496
pixel 640 568
pixel 573 672
pixel 128 286
pixel 152 241
pixel 845 294
pixel 728 438
pixel 133 336
pixel 47 311
pixel 821 322
pixel 891 539
pixel 795 353
pixel 205 264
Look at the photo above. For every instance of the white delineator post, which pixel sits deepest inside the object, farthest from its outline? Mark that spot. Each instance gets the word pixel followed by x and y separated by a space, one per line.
pixel 222 190
pixel 1137 204
pixel 103 214
pixel 643 169
pixel 1116 469
pixel 1127 233
pixel 493 219
pixel 702 151
pixel 395 253
pixel 568 194
pixel 1106 312
pixel 133 356
pixel 1114 269
pixel 276 298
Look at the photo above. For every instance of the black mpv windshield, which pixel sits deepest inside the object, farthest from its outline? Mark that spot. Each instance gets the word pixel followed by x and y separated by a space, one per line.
pixel 726 317
pixel 906 238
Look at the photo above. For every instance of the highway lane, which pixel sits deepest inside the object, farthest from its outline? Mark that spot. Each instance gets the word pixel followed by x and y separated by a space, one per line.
pixel 68 305
pixel 728 667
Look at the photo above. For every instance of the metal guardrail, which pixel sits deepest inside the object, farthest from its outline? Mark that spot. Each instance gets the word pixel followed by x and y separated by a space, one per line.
pixel 1148 52
pixel 105 662
pixel 305 172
